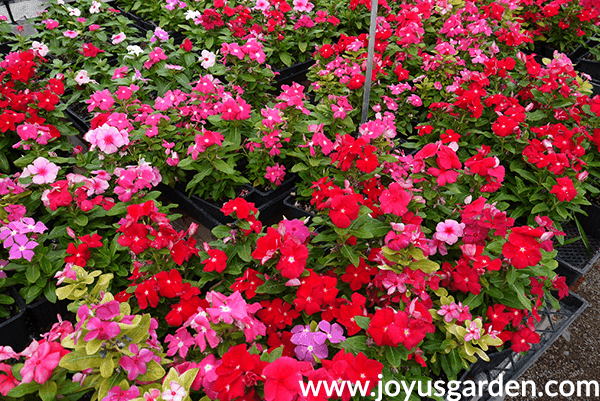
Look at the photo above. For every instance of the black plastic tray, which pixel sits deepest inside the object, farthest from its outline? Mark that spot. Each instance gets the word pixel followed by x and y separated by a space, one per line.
pixel 574 259
pixel 512 365
pixel 13 332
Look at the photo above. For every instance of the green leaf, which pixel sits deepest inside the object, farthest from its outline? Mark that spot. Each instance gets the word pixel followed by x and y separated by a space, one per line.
pixel 81 220
pixel 32 273
pixel 474 300
pixel 363 322
pixel 395 355
pixel 540 207
pixel 350 255
pixel 302 46
pixel 271 287
pixel 48 391
pixel 355 344
pixel 23 389
pixel 92 346
pixel 520 291
pixel 273 356
pixel 223 167
pixel 527 175
pixel 285 58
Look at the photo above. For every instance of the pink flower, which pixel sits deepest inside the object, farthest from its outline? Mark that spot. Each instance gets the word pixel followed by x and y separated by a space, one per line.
pixel 101 99
pixel 303 6
pixel 117 394
pixel 207 59
pixel 22 248
pixel 473 332
pixel 108 139
pixel 275 174
pixel 50 24
pixel 94 27
pixel 70 34
pixel 118 38
pixel 120 72
pixel 449 231
pixel 101 330
pixel 156 55
pixel 40 365
pixel 136 365
pixel 7 380
pixel 43 171
pixel 415 100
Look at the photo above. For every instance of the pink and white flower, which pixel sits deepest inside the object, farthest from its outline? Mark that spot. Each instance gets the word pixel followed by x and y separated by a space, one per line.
pixel 449 231
pixel 118 38
pixel 42 170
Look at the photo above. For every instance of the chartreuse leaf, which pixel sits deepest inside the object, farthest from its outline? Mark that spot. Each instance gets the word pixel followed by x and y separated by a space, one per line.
pixel 78 361
pixel 138 332
pixel 108 365
pixel 92 346
pixel 153 372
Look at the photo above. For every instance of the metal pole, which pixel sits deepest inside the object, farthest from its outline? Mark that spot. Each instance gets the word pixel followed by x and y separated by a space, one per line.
pixel 370 54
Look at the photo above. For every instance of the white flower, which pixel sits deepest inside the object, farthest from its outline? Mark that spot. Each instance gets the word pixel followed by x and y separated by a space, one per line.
pixel 60 2
pixel 95 8
pixel 207 59
pixel 40 48
pixel 74 11
pixel 192 14
pixel 134 50
pixel 82 77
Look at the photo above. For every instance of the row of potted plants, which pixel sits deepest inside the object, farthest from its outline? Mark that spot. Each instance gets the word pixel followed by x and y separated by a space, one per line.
pixel 413 266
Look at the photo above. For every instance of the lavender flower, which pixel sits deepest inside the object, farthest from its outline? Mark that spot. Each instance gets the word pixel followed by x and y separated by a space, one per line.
pixel 334 332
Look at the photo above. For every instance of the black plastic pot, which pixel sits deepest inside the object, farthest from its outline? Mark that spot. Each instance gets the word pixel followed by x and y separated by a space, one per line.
pixel 295 73
pixel 588 66
pixel 294 211
pixel 574 259
pixel 259 197
pixel 43 314
pixel 79 122
pixel 142 24
pixel 13 332
pixel 511 365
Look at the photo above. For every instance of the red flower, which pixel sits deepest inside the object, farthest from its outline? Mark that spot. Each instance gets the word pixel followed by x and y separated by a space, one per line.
pixel 182 311
pixel 237 366
pixel 217 261
pixel 267 246
pixel 282 379
pixel 356 82
pixel 466 279
pixel 383 329
pixel 146 292
pixel 293 258
pixel 343 209
pixel 241 207
pixel 47 100
pixel 93 241
pixel 564 190
pixel 89 50
pixel 357 276
pixel 187 45
pixel 182 250
pixel 522 249
pixel 248 283
pixel 79 255
pixel 135 238
pixel 277 314
pixel 326 51
pixel 170 284
pixel 522 340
